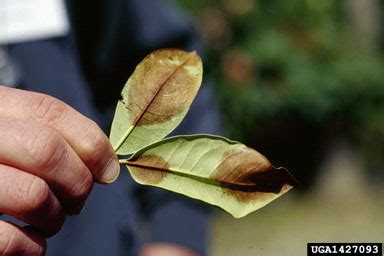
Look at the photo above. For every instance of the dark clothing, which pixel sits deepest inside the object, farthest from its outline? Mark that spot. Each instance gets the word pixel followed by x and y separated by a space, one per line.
pixel 87 70
pixel 113 36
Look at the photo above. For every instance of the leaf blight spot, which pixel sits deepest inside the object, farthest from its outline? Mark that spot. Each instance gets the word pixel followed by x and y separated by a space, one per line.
pixel 149 169
pixel 169 89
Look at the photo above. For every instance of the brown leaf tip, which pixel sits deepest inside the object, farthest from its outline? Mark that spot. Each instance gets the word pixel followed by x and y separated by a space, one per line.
pixel 162 86
pixel 244 169
pixel 268 181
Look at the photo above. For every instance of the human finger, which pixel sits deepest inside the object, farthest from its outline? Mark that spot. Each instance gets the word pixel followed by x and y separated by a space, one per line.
pixel 17 241
pixel 29 199
pixel 165 249
pixel 83 134
pixel 43 152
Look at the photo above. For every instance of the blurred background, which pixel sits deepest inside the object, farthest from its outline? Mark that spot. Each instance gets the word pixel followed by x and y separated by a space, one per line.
pixel 301 81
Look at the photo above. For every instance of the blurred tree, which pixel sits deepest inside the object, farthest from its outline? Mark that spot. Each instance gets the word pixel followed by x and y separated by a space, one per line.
pixel 294 75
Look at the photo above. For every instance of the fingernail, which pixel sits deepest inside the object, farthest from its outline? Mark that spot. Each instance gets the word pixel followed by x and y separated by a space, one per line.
pixel 111 171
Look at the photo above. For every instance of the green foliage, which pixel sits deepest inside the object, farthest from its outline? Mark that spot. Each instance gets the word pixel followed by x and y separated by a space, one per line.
pixel 276 60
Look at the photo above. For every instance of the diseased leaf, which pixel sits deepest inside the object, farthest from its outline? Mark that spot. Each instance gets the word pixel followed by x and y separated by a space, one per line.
pixel 212 169
pixel 155 99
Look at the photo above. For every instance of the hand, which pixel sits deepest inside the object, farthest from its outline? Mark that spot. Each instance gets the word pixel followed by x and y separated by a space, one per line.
pixel 50 156
pixel 165 249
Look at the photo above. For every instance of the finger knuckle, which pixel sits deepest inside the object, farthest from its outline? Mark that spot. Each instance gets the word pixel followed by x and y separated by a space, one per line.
pixel 94 139
pixel 46 109
pixel 83 187
pixel 38 196
pixel 46 148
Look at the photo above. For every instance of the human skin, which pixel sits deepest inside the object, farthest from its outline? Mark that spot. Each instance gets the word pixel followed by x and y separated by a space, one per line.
pixel 165 249
pixel 50 157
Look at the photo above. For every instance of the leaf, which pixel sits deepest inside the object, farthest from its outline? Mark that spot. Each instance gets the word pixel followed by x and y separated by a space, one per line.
pixel 212 169
pixel 155 99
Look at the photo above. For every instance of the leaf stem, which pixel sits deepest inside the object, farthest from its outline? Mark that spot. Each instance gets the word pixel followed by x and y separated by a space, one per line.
pixel 140 165
pixel 124 161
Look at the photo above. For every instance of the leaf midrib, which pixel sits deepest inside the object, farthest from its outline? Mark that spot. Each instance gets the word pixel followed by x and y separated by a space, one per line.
pixel 129 131
pixel 243 187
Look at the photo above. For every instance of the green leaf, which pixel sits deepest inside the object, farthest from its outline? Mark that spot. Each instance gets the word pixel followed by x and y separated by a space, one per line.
pixel 212 169
pixel 155 99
